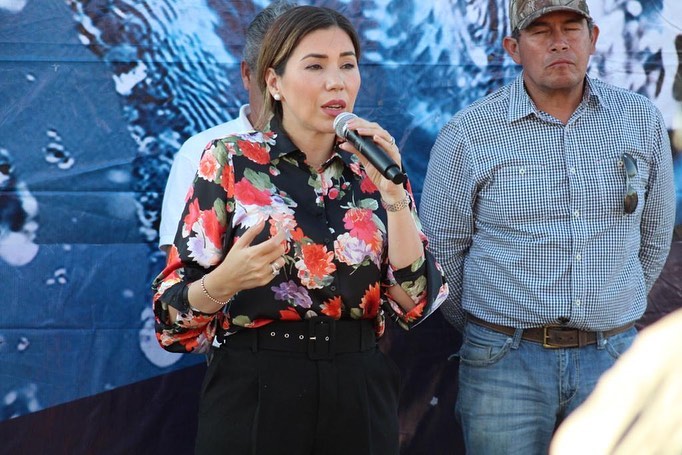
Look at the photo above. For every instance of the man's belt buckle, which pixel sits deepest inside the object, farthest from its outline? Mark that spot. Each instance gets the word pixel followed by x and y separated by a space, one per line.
pixel 545 337
pixel 321 338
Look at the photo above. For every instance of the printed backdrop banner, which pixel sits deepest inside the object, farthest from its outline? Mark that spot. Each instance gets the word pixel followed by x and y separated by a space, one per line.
pixel 96 96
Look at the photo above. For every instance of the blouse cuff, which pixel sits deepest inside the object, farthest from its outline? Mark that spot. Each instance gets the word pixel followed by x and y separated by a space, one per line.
pixel 423 281
pixel 410 277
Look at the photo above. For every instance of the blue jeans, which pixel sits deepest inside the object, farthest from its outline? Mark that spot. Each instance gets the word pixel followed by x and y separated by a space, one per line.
pixel 514 393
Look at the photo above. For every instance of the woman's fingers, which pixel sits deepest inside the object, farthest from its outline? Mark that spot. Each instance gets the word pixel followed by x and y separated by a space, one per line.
pixel 272 248
pixel 249 235
pixel 250 265
pixel 378 134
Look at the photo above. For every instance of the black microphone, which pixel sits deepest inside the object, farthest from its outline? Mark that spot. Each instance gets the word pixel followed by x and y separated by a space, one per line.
pixel 368 149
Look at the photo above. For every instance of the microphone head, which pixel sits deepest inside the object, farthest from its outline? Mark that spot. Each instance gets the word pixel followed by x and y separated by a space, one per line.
pixel 340 123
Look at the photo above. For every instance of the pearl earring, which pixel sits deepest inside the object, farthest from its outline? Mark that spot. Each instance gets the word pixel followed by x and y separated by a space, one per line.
pixel 277 96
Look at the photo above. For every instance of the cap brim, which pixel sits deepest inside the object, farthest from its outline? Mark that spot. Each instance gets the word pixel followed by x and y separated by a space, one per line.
pixel 549 9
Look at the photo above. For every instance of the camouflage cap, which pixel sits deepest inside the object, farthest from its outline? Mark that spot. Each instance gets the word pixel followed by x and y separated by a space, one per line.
pixel 523 12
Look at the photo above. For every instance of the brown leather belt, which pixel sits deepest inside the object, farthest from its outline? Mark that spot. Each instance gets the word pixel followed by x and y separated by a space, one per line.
pixel 552 337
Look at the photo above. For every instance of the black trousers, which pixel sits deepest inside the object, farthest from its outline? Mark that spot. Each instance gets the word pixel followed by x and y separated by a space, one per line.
pixel 264 402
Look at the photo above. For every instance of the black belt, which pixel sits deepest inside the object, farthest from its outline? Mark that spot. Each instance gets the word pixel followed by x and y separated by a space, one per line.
pixel 553 336
pixel 321 338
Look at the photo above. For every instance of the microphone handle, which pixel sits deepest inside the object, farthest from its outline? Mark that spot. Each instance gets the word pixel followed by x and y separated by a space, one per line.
pixel 377 157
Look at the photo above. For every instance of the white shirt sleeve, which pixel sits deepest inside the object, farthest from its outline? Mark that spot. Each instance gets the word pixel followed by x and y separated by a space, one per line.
pixel 184 169
pixel 179 181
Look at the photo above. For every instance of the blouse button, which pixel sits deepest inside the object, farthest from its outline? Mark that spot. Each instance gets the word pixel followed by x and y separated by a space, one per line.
pixel 333 288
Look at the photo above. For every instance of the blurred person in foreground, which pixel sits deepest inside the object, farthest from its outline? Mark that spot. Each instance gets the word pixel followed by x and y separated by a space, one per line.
pixel 635 408
pixel 186 160
pixel 291 251
pixel 550 205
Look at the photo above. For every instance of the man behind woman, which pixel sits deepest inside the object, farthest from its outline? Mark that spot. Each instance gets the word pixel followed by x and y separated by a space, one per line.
pixel 186 160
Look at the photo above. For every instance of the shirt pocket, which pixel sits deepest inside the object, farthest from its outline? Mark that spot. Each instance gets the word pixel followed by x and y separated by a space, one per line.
pixel 609 183
pixel 521 193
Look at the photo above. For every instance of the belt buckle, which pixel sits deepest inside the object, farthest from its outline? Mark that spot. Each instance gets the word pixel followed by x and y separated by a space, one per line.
pixel 321 338
pixel 545 337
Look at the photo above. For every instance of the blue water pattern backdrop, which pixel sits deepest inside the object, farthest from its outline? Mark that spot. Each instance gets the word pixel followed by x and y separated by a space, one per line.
pixel 97 96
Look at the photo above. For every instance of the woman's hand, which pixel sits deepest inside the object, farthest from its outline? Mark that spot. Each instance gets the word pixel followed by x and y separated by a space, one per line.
pixel 390 192
pixel 246 266
pixel 404 243
pixel 249 266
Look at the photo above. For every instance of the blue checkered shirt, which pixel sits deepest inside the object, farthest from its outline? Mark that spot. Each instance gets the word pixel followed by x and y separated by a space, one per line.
pixel 526 214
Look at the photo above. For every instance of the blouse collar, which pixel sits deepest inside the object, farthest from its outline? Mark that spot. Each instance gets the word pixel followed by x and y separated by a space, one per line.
pixel 283 146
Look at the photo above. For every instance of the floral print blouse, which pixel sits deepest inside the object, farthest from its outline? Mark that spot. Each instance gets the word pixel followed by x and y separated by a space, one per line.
pixel 336 260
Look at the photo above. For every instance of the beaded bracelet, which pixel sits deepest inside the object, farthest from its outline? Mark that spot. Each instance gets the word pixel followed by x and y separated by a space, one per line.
pixel 210 297
pixel 398 206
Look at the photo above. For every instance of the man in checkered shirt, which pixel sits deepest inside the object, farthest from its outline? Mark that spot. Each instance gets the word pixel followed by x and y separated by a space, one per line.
pixel 550 206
